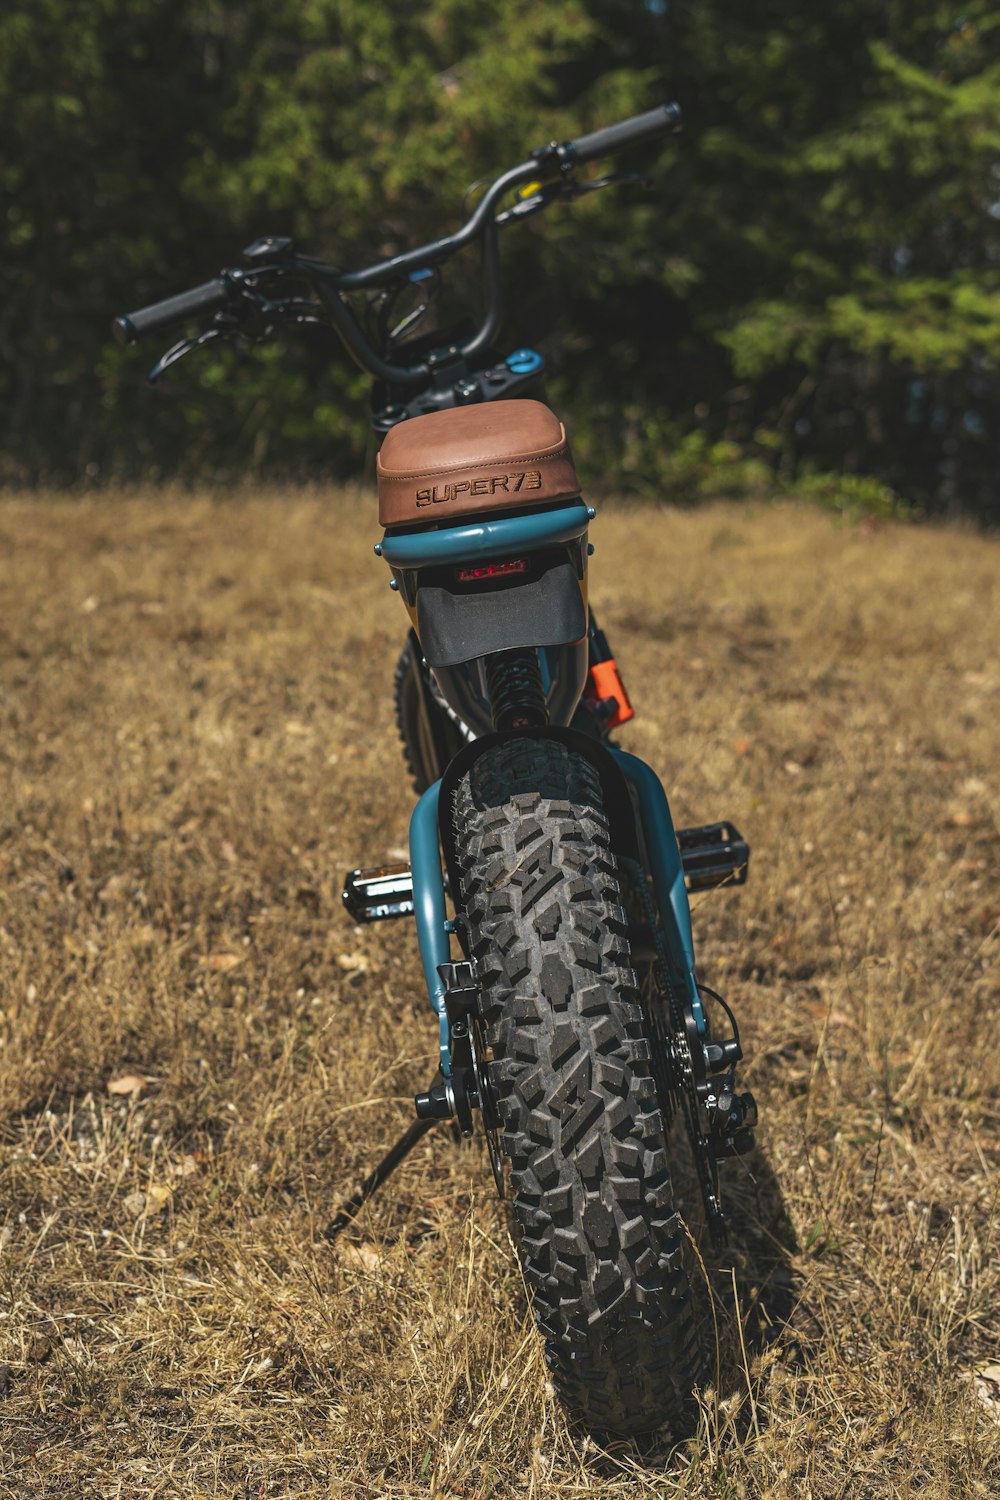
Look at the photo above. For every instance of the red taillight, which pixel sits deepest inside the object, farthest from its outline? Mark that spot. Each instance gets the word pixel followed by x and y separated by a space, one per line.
pixel 492 570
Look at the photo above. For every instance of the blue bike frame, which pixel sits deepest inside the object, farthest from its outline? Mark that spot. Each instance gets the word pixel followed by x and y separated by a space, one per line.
pixel 434 929
pixel 407 553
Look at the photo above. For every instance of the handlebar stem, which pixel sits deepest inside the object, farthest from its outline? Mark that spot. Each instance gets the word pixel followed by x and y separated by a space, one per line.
pixel 358 346
pixel 482 221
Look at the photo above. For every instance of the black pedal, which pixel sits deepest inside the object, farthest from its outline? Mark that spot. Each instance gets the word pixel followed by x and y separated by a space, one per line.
pixel 714 855
pixel 378 893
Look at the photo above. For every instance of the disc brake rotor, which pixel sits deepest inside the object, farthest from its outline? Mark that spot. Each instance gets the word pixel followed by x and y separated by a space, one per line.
pixel 679 1058
pixel 487 1102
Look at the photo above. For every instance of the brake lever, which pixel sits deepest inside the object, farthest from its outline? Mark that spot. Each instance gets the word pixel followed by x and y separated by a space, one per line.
pixel 178 351
pixel 613 179
pixel 569 186
pixel 227 326
pixel 525 207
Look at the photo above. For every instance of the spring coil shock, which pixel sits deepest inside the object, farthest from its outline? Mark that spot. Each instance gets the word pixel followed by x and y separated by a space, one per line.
pixel 514 683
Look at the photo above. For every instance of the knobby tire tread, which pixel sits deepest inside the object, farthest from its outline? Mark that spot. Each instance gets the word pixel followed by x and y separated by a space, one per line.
pixel 600 1243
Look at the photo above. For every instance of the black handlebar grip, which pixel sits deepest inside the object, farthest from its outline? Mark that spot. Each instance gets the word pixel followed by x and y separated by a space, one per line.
pixel 613 138
pixel 209 297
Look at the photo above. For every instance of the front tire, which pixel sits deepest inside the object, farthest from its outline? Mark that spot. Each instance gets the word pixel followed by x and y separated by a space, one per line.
pixel 570 1067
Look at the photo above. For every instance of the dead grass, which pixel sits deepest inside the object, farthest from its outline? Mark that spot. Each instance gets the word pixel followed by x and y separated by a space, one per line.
pixel 197 742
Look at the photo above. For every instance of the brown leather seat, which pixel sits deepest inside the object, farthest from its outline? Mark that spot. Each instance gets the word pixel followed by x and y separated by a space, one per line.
pixel 494 456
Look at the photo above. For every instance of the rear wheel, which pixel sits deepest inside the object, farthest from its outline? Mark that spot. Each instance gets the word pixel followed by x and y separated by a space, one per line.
pixel 570 1065
pixel 429 738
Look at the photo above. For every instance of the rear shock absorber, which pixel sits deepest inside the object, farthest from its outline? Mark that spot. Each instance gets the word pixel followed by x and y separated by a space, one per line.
pixel 514 683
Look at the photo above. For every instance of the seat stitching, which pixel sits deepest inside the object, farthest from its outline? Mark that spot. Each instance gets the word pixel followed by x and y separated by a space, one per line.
pixel 473 463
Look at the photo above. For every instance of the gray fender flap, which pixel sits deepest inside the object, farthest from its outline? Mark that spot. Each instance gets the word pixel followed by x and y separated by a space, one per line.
pixel 614 787
pixel 457 623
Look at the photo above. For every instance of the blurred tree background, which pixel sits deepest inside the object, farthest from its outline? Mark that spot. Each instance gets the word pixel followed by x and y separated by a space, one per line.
pixel 808 294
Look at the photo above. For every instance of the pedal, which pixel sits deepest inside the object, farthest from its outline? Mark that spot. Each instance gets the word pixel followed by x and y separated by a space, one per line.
pixel 375 894
pixel 714 855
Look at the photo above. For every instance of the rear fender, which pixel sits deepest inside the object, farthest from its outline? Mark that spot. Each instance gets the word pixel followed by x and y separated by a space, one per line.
pixel 541 601
pixel 614 788
pixel 635 803
pixel 459 622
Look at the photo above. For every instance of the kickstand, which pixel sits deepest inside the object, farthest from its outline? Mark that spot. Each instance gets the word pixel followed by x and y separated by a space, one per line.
pixel 374 1181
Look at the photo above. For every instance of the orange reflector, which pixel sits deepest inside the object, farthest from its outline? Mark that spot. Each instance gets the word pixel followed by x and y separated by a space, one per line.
pixel 604 681
pixel 492 570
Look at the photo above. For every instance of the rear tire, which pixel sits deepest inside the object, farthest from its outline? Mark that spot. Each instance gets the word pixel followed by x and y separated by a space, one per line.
pixel 428 736
pixel 571 1070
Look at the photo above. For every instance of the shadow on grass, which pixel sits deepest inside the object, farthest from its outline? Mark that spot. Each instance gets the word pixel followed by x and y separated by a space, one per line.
pixel 747 1297
pixel 754 1276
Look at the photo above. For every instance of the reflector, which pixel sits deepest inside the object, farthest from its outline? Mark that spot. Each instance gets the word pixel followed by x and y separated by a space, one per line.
pixel 492 570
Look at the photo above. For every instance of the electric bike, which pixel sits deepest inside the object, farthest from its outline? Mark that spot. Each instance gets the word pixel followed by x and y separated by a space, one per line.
pixel 546 881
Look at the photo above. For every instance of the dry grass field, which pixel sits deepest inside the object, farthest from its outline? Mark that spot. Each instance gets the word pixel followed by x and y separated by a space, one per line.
pixel 197 743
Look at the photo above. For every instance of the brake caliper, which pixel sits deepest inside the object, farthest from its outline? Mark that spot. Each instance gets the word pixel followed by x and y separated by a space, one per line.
pixel 468 1085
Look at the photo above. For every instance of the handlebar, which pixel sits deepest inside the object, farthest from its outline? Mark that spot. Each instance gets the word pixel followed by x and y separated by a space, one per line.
pixel 549 165
pixel 633 132
pixel 210 297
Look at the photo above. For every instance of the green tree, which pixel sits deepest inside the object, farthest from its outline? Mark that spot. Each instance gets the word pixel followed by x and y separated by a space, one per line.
pixel 811 282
